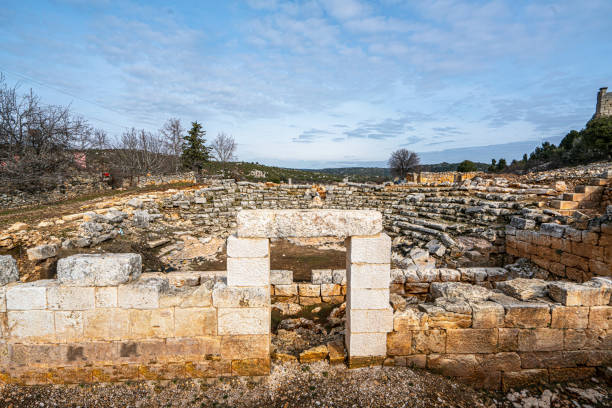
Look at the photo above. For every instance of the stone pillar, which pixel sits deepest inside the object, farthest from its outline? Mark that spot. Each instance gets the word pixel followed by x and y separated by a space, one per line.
pixel 244 306
pixel 369 316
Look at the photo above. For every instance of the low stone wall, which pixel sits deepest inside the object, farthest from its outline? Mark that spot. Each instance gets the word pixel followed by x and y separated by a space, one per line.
pixel 72 331
pixel 495 340
pixel 566 252
pixel 439 177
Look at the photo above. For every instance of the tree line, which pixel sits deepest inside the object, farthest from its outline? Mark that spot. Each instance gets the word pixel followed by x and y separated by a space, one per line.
pixel 43 145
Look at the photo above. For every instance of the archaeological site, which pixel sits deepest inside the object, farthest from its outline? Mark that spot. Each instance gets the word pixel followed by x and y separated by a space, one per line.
pixel 499 283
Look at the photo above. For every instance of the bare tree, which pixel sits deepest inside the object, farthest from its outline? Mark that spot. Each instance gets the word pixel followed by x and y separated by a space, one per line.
pixel 224 148
pixel 100 139
pixel 36 141
pixel 172 134
pixel 139 153
pixel 402 161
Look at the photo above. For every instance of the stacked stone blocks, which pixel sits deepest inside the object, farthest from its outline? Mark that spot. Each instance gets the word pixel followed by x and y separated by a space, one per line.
pixel 497 341
pixel 369 315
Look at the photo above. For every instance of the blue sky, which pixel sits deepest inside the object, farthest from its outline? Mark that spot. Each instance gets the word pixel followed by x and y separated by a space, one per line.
pixel 321 83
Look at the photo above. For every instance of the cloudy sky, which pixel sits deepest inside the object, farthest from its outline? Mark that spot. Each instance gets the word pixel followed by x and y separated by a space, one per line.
pixel 320 83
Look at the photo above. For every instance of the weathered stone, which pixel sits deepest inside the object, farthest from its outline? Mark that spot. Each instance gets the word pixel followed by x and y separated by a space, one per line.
pixel 317 353
pixel 470 341
pixel 8 270
pixel 428 341
pixel 458 290
pixel 41 252
pixel 410 319
pixel 308 223
pixel 252 320
pixel 321 276
pixel 524 289
pixel 541 339
pixel 336 352
pixel 99 269
pixel 281 277
pixel 523 314
pixel 247 247
pixel 248 271
pixel 223 296
pixel 487 315
pixel 399 344
pixel 573 294
pixel 520 379
pixel 569 317
pixel 141 294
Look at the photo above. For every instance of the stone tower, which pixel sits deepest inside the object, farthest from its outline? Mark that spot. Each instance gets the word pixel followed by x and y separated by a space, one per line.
pixel 604 103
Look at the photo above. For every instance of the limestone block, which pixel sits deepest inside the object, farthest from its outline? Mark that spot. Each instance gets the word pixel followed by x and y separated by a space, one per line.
pixel 572 294
pixel 366 344
pixel 473 274
pixel 193 348
pixel 454 365
pixel 286 290
pixel 372 276
pixel 523 314
pixel 471 341
pixel 508 339
pixel 28 296
pixel 331 289
pixel 399 344
pixel 428 275
pixel 336 352
pixel 398 277
pixel 248 271
pixel 569 317
pixel 106 296
pixel 541 339
pixel 2 299
pixel 142 294
pixel 459 290
pixel 247 247
pixel 41 252
pixel 198 296
pixel 309 290
pixel 33 325
pixel 370 321
pixel 524 289
pixel 245 346
pixel 70 298
pixel 428 341
pixel 195 321
pixel 251 367
pixel 313 354
pixel 410 319
pixel 250 320
pixel 281 277
pixel 367 298
pixel 487 315
pixel 147 324
pixel 449 275
pixel 307 223
pixel 339 276
pixel 106 324
pixel 310 300
pixel 99 269
pixel 320 276
pixel 224 296
pixel 499 362
pixel 440 318
pixel 8 270
pixel 373 249
pixel 522 378
pixel 68 326
pixel 600 317
pixel 570 374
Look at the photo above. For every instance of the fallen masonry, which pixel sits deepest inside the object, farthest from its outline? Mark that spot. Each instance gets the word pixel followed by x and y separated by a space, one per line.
pixel 104 320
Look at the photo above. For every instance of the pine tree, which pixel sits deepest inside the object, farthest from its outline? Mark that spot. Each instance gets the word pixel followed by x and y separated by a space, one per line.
pixel 195 151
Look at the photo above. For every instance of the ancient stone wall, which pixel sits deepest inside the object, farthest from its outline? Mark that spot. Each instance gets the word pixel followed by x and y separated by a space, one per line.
pixel 567 252
pixel 101 321
pixel 509 339
pixel 439 177
pixel 73 187
pixel 604 103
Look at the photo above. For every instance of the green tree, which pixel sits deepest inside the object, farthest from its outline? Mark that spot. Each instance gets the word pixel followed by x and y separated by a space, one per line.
pixel 195 152
pixel 466 166
pixel 501 164
pixel 493 167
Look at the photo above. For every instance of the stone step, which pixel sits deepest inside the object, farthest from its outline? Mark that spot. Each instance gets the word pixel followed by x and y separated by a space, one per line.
pixel 598 182
pixel 573 196
pixel 564 205
pixel 588 190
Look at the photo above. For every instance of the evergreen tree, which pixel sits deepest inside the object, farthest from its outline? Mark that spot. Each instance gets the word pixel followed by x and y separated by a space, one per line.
pixel 501 165
pixel 466 166
pixel 195 151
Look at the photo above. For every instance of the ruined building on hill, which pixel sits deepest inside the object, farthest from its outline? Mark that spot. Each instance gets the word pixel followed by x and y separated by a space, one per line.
pixel 604 103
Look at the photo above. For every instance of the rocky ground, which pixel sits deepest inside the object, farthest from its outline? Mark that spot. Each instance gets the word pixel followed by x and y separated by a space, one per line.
pixel 314 385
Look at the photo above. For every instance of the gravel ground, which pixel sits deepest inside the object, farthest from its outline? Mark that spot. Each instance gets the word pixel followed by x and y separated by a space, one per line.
pixel 315 385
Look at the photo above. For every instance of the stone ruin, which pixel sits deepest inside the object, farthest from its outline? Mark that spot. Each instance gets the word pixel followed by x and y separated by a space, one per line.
pixel 103 320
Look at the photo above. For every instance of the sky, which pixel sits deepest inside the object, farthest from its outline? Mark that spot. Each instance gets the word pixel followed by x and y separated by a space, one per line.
pixel 321 83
